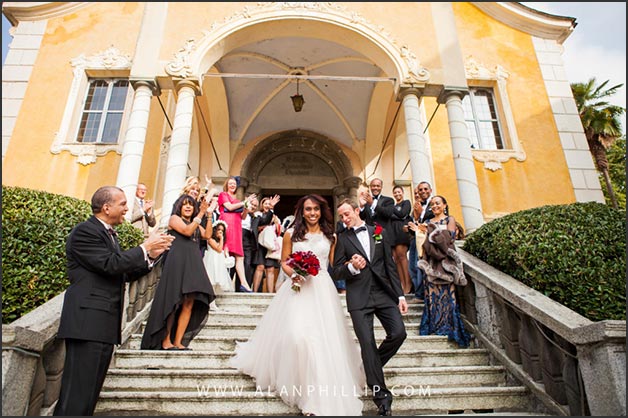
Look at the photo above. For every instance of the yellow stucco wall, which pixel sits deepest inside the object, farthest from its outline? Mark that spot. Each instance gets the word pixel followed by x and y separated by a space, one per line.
pixel 29 162
pixel 543 178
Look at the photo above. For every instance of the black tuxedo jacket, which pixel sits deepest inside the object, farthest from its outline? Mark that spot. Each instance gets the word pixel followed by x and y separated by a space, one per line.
pixel 97 270
pixel 382 214
pixel 380 268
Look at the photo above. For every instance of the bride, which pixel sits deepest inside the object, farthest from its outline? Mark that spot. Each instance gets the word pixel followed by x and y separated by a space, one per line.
pixel 302 347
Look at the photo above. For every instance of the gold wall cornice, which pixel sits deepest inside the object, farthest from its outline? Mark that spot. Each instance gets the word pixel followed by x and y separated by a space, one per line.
pixel 528 20
pixel 38 10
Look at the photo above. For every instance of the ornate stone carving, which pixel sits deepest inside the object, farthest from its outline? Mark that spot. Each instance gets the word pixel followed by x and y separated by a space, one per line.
pixel 111 58
pixel 477 71
pixel 493 159
pixel 416 73
pixel 180 65
pixel 412 73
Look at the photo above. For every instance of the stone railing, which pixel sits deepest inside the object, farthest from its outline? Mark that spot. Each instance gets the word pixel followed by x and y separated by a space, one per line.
pixel 572 365
pixel 32 357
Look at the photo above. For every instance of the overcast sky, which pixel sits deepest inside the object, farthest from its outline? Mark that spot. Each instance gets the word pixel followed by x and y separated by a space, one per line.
pixel 596 48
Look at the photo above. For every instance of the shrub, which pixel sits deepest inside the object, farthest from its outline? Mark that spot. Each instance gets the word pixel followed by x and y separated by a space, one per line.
pixel 575 254
pixel 35 226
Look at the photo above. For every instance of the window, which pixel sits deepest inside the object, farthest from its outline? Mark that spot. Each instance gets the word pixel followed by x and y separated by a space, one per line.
pixel 482 121
pixel 94 120
pixel 103 111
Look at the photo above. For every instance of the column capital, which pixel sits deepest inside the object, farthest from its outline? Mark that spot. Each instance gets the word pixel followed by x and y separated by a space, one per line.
pixel 404 91
pixel 352 181
pixel 449 91
pixel 147 82
pixel 187 82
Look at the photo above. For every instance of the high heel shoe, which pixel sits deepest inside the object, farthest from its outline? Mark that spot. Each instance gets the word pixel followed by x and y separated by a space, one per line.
pixel 245 290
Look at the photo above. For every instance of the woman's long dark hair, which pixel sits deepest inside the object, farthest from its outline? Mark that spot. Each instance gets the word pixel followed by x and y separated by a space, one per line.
pixel 326 220
pixel 178 204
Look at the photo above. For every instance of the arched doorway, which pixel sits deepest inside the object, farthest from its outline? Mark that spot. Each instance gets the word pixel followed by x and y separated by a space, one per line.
pixel 295 163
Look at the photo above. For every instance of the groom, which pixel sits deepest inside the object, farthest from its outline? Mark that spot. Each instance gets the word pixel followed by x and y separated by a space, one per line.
pixel 363 258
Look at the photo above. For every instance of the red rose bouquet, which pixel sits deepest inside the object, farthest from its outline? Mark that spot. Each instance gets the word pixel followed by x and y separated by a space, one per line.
pixel 377 233
pixel 304 263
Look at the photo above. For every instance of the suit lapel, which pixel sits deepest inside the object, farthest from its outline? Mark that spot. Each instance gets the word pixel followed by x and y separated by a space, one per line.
pixel 353 238
pixel 372 241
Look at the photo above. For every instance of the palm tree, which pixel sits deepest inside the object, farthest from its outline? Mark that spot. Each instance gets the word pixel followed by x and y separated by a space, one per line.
pixel 601 123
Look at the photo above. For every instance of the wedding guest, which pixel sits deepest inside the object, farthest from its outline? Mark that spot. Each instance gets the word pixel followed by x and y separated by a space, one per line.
pixel 375 207
pixel 143 216
pixel 231 209
pixel 94 301
pixel 215 260
pixel 303 340
pixel 262 263
pixel 421 212
pixel 401 238
pixel 181 303
pixel 444 270
pixel 249 238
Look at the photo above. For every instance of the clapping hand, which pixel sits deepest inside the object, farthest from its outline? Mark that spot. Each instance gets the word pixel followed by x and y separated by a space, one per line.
pixel 157 242
pixel 148 205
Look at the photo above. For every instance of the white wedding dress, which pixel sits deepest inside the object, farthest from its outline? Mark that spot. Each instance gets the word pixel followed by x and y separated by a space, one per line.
pixel 302 347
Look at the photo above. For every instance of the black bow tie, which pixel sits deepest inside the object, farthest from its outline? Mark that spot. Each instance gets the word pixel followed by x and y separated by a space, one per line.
pixel 360 229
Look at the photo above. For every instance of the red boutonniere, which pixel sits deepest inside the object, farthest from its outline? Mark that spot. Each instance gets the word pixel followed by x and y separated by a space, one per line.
pixel 377 233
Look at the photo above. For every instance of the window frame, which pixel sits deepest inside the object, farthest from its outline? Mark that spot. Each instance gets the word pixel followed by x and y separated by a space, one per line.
pixel 109 64
pixel 479 76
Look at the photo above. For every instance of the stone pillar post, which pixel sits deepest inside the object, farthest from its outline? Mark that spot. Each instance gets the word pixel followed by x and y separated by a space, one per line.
pixel 176 168
pixel 419 161
pixel 133 149
pixel 466 177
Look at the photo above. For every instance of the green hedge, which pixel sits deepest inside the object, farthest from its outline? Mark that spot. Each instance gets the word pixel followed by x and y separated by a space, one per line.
pixel 575 254
pixel 35 226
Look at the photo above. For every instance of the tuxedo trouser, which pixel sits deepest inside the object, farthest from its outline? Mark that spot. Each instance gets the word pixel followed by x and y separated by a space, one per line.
pixel 249 247
pixel 85 368
pixel 374 358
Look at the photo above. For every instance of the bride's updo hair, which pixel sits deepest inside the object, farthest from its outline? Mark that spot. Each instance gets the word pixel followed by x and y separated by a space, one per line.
pixel 326 220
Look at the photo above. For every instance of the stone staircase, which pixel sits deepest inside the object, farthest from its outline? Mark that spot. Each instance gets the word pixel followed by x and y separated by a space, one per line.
pixel 429 374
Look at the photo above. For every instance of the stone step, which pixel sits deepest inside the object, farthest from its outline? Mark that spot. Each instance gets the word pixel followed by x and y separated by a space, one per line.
pixel 227 344
pixel 157 359
pixel 219 380
pixel 245 302
pixel 242 331
pixel 224 316
pixel 416 400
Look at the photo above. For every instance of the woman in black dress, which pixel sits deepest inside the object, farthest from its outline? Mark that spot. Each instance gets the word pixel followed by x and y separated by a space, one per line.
pixel 184 292
pixel 399 221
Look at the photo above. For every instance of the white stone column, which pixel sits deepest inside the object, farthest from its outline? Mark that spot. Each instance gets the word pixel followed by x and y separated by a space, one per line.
pixel 463 160
pixel 419 161
pixel 177 165
pixel 133 148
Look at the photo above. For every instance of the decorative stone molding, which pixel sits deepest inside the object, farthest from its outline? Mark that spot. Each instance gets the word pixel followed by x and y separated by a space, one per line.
pixel 180 64
pixel 493 159
pixel 303 142
pixel 497 78
pixel 111 62
pixel 187 60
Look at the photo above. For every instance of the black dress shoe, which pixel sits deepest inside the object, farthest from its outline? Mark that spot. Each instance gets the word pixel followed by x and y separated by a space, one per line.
pixel 384 410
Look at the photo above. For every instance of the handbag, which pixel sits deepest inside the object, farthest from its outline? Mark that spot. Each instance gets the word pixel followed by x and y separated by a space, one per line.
pixel 275 253
pixel 266 238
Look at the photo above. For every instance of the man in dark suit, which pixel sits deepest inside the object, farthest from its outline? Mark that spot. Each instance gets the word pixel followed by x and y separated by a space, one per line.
pixel 91 318
pixel 363 258
pixel 421 213
pixel 375 207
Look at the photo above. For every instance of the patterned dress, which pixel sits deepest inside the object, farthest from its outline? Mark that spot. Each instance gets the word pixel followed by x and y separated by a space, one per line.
pixel 441 313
